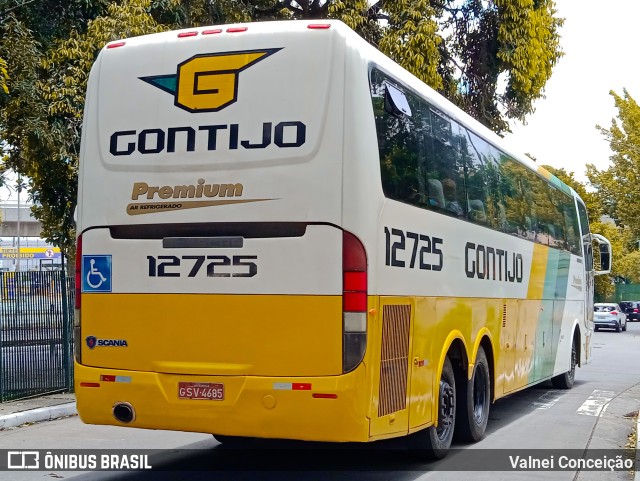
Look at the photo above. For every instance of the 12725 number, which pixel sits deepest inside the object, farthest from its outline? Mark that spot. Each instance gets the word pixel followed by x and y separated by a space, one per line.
pixel 418 250
pixel 217 266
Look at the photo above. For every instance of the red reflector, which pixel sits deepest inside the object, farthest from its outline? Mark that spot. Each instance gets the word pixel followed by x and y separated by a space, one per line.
pixel 107 378
pixel 187 34
pixel 355 281
pixel 89 384
pixel 318 25
pixel 211 32
pixel 319 395
pixel 116 45
pixel 301 386
pixel 237 29
pixel 354 301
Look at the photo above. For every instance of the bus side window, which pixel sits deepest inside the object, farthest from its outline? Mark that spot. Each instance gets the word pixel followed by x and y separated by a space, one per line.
pixel 586 237
pixel 445 163
pixel 400 125
pixel 482 180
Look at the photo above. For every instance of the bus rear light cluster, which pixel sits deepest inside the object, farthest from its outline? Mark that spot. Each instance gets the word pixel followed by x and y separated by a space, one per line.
pixel 354 302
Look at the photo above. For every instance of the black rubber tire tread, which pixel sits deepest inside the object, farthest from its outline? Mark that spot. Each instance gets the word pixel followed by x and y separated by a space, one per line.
pixel 427 443
pixel 567 379
pixel 468 427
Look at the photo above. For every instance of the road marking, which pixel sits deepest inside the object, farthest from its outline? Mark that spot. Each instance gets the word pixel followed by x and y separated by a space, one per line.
pixel 597 403
pixel 547 400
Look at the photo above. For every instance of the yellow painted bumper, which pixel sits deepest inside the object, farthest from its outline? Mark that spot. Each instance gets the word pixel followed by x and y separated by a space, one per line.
pixel 252 406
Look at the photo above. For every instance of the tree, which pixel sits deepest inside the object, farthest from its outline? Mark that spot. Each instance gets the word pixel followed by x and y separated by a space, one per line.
pixel 3 76
pixel 619 240
pixel 41 119
pixel 619 186
pixel 460 48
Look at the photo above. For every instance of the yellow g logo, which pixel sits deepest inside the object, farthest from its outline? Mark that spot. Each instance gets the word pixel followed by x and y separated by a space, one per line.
pixel 208 82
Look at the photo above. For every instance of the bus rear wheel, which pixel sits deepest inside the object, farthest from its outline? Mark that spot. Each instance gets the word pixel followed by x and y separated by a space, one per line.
pixel 232 441
pixel 566 380
pixel 473 411
pixel 434 442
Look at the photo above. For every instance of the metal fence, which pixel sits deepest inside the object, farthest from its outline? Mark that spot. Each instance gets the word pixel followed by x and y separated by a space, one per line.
pixel 36 333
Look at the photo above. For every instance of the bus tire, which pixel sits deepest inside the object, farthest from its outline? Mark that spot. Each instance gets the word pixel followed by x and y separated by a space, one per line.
pixel 232 441
pixel 434 442
pixel 473 410
pixel 566 380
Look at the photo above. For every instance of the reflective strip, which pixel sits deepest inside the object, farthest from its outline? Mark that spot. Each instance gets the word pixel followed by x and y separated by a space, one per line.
pixel 282 386
pixel 289 386
pixel 111 378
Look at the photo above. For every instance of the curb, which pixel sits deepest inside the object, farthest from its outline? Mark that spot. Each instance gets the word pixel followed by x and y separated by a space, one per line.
pixel 37 415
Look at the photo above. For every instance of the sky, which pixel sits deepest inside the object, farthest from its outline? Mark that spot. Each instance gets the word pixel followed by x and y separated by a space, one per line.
pixel 600 42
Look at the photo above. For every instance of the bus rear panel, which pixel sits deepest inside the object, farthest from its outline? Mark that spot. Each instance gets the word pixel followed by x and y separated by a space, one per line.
pixel 211 256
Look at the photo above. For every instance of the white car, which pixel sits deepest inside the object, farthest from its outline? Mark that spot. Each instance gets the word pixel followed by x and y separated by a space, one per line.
pixel 609 315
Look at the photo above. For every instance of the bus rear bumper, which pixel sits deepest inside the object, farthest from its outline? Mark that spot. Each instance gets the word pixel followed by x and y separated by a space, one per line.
pixel 315 409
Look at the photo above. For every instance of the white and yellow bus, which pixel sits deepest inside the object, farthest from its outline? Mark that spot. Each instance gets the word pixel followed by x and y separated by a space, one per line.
pixel 284 234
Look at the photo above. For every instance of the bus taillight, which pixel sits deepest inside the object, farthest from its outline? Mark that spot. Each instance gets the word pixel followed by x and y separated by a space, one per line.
pixel 354 301
pixel 78 285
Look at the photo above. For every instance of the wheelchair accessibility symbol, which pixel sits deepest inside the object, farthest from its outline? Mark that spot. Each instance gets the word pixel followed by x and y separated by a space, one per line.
pixel 96 273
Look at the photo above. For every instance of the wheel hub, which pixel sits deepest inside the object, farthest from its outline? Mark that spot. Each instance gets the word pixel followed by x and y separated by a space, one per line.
pixel 447 409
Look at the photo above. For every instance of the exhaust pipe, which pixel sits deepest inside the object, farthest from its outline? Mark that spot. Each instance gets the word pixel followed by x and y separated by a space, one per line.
pixel 124 412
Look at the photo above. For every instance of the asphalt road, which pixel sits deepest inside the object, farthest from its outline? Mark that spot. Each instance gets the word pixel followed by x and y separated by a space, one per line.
pixel 598 413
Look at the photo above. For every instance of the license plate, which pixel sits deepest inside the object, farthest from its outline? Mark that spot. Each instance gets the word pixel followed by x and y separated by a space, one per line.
pixel 210 391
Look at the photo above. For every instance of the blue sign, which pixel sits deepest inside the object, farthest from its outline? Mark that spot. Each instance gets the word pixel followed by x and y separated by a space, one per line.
pixel 96 273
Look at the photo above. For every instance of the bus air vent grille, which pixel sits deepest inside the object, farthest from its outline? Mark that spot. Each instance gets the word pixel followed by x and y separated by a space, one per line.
pixel 504 315
pixel 394 359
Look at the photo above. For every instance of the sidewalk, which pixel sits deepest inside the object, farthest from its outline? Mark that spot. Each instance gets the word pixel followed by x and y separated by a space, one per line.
pixel 38 409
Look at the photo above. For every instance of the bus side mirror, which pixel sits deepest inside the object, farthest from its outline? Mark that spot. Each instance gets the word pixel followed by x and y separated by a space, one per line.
pixel 605 254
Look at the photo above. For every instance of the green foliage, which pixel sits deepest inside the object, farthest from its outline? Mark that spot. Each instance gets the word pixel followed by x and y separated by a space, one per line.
pixel 460 48
pixel 619 185
pixel 4 76
pixel 41 119
pixel 630 267
pixel 529 48
pixel 604 287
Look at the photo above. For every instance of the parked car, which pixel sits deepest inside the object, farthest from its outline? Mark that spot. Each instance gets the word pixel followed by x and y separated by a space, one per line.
pixel 631 309
pixel 609 315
